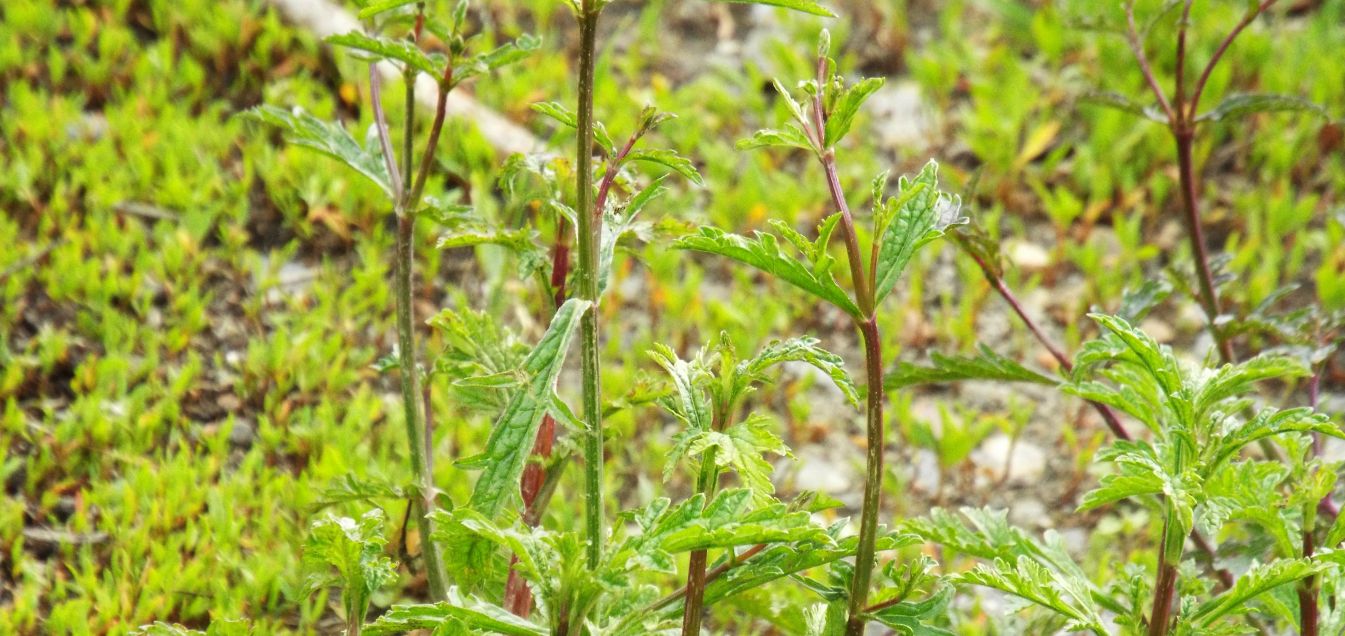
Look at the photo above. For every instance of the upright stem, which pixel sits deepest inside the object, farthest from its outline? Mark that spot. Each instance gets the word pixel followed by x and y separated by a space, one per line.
pixel 589 226
pixel 1209 299
pixel 693 610
pixel 1307 589
pixel 873 480
pixel 1166 588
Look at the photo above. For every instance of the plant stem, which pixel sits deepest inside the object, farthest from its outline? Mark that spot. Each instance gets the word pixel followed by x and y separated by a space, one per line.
pixel 1209 299
pixel 693 610
pixel 589 227
pixel 1307 589
pixel 1166 587
pixel 717 572
pixel 873 481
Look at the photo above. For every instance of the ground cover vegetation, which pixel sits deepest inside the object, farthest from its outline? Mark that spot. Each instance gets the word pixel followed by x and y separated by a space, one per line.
pixel 974 317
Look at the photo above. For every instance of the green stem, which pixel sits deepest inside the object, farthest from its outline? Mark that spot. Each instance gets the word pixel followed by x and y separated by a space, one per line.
pixel 873 480
pixel 693 609
pixel 589 227
pixel 1165 589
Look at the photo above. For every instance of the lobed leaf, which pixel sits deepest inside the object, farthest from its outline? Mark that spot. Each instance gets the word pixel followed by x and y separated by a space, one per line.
pixel 1031 582
pixel 451 616
pixel 303 129
pixel 401 50
pixel 671 160
pixel 512 438
pixel 382 6
pixel 917 215
pixel 986 365
pixel 1124 104
pixel 802 349
pixel 1258 580
pixel 913 618
pixel 846 106
pixel 764 253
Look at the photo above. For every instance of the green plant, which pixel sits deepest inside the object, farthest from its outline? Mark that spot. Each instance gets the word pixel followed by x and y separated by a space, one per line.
pixel 916 215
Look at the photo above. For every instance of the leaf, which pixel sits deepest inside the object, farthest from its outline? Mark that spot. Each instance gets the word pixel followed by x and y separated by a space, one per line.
pixel 458 611
pixel 404 51
pixel 740 448
pixel 512 438
pixel 790 137
pixel 688 401
pixel 986 365
pixel 349 487
pixel 381 6
pixel 355 550
pixel 671 160
pixel 910 618
pixel 303 129
pixel 1137 303
pixel 907 222
pixel 564 116
pixel 1236 106
pixel 763 252
pixel 805 6
pixel 826 619
pixel 847 104
pixel 1122 103
pixel 1269 423
pixel 1258 580
pixel 727 521
pixel 802 349
pixel 1029 581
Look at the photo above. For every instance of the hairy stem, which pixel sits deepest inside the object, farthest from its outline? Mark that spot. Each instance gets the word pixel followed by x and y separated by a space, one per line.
pixel 1209 299
pixel 589 227
pixel 693 610
pixel 1165 589
pixel 873 481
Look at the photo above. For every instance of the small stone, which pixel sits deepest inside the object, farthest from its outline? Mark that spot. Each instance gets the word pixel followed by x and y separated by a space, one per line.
pixel 243 433
pixel 1027 256
pixel 819 472
pixel 925 472
pixel 1025 461
pixel 1157 329
pixel 1029 513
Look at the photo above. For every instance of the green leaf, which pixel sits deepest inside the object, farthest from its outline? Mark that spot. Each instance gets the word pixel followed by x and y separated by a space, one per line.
pixel 303 129
pixel 805 6
pixel 566 117
pixel 913 618
pixel 457 612
pixel 802 349
pixel 790 137
pixel 1236 106
pixel 381 6
pixel 1029 581
pixel 917 215
pixel 764 253
pixel 1122 103
pixel 985 365
pixel 826 619
pixel 1269 423
pixel 1137 303
pixel 350 487
pixel 740 448
pixel 355 550
pixel 847 104
pixel 404 51
pixel 512 438
pixel 671 160
pixel 1258 580
pixel 688 401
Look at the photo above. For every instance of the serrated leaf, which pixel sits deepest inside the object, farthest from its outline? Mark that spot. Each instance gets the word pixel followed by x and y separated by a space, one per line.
pixel 1256 581
pixel 1122 103
pixel 805 6
pixel 790 137
pixel 1138 302
pixel 763 252
pixel 1269 423
pixel 986 365
pixel 354 548
pixel 847 104
pixel 912 618
pixel 349 487
pixel 404 51
pixel 458 611
pixel 303 129
pixel 558 112
pixel 803 349
pixel 1236 106
pixel 671 160
pixel 382 6
pixel 1031 582
pixel 511 439
pixel 909 221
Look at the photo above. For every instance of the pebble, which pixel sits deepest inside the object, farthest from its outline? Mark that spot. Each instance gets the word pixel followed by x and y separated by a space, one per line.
pixel 817 471
pixel 1027 256
pixel 243 433
pixel 1025 460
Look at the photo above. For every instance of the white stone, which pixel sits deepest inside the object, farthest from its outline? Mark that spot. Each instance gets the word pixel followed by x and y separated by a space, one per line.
pixel 1025 461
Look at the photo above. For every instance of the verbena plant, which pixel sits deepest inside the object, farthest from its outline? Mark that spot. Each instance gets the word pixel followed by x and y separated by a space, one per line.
pixel 492 566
